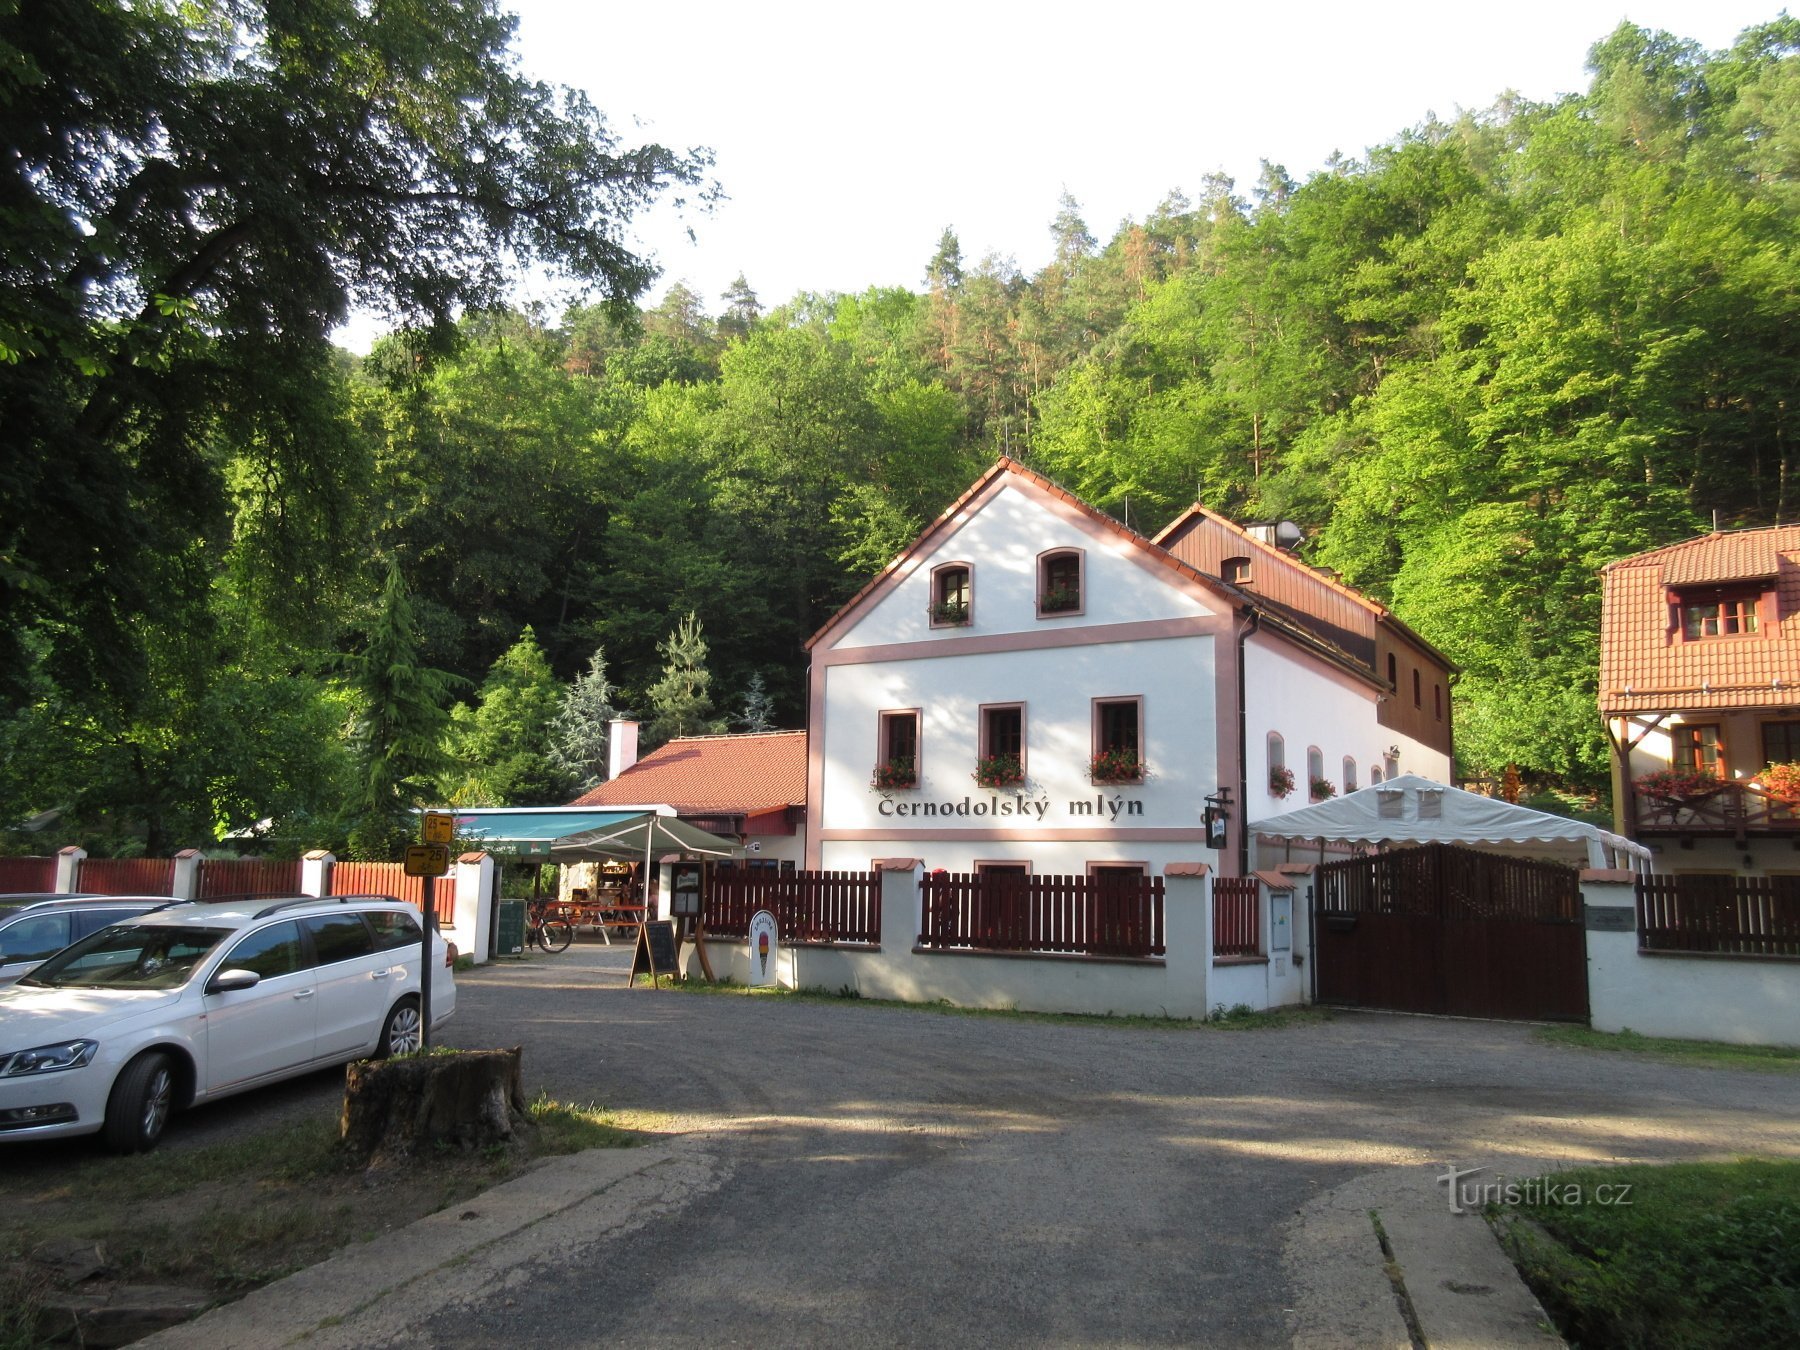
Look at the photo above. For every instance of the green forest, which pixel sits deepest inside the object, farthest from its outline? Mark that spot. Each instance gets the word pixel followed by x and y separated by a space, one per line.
pixel 254 583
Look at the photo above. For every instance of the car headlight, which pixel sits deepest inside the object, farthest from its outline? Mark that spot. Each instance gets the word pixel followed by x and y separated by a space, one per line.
pixel 47 1058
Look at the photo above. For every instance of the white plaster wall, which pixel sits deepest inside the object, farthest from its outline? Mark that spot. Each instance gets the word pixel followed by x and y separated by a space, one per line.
pixel 1002 542
pixel 1766 857
pixel 1174 676
pixel 1709 998
pixel 780 847
pixel 1287 693
pixel 1174 987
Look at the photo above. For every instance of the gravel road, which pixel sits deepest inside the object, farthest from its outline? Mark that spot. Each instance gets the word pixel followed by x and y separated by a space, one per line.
pixel 890 1176
pixel 900 1177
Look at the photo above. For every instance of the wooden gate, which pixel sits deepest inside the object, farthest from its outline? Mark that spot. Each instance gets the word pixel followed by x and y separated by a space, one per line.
pixel 1442 929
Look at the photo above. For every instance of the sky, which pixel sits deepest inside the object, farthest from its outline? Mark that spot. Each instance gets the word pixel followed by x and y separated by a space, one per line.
pixel 847 135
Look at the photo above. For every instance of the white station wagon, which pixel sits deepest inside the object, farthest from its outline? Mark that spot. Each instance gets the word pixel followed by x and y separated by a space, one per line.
pixel 200 1001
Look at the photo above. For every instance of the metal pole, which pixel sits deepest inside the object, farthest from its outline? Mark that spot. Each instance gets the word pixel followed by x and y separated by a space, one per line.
pixel 425 913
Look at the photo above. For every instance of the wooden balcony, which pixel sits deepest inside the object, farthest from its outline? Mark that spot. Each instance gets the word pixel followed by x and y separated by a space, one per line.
pixel 1735 810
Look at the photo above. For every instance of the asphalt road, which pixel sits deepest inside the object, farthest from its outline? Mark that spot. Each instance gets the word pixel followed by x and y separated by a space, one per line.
pixel 898 1177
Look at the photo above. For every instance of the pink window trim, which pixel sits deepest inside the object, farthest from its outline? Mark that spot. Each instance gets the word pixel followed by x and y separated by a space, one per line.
pixel 981 732
pixel 881 738
pixel 1080 556
pixel 1096 865
pixel 969 586
pixel 979 863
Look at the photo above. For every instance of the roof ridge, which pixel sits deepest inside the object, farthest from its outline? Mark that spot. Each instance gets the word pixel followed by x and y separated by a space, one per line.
pixel 735 735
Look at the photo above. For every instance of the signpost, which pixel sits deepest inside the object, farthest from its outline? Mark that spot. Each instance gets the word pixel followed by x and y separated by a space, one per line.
pixel 428 860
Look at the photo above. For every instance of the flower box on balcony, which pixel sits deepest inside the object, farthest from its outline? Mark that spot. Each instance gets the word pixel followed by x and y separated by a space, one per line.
pixel 1677 785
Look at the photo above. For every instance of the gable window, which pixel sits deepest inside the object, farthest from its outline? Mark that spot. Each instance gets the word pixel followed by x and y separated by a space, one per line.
pixel 1061 582
pixel 897 753
pixel 1696 747
pixel 1717 616
pixel 1001 761
pixel 1780 742
pixel 951 595
pixel 1118 741
pixel 1349 774
pixel 1236 571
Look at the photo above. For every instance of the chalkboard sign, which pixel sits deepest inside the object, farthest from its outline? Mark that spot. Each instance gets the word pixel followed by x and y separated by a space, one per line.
pixel 655 953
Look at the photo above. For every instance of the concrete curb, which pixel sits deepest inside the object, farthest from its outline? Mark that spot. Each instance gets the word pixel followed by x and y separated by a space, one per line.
pixel 1447 1272
pixel 460 1256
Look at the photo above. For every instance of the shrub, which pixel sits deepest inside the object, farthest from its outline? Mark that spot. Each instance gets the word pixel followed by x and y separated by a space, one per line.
pixel 1281 781
pixel 1321 788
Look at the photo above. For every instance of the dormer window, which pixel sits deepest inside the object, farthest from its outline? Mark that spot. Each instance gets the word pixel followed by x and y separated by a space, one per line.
pixel 1060 583
pixel 951 595
pixel 1717 616
pixel 1236 571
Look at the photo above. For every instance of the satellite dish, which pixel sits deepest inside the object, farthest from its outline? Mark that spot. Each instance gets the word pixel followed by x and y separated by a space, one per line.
pixel 1288 534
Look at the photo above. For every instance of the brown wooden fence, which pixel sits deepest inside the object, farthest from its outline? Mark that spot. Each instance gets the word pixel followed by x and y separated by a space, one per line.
pixel 126 876
pixel 221 877
pixel 27 875
pixel 377 878
pixel 810 906
pixel 1236 908
pixel 1007 912
pixel 1723 916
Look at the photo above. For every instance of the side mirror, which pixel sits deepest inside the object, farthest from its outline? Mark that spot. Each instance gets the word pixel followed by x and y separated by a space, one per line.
pixel 226 981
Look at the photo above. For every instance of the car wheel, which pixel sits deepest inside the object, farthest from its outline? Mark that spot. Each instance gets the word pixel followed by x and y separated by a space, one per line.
pixel 139 1106
pixel 400 1034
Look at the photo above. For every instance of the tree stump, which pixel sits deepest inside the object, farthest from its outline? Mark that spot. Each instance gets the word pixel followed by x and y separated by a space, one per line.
pixel 469 1100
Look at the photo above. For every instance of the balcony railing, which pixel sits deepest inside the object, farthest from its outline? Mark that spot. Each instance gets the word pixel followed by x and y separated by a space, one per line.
pixel 1732 808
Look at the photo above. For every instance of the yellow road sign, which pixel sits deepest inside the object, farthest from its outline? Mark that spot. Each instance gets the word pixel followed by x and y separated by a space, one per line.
pixel 440 827
pixel 427 860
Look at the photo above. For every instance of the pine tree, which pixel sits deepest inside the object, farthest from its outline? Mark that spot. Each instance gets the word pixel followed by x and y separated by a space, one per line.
pixel 501 744
pixel 399 734
pixel 757 712
pixel 681 701
pixel 578 732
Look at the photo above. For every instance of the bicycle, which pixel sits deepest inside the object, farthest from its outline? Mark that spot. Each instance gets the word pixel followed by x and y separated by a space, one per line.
pixel 546 926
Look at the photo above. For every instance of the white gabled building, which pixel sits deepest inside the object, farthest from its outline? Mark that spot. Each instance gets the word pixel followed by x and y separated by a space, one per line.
pixel 1027 632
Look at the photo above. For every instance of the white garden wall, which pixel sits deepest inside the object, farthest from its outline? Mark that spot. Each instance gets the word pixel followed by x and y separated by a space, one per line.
pixel 1743 1000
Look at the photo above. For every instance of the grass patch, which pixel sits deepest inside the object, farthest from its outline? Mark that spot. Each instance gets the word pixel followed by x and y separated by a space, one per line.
pixel 1717 1054
pixel 1240 1018
pixel 1704 1255
pixel 230 1216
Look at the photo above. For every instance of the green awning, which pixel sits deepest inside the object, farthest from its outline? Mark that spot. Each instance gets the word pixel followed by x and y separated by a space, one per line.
pixel 516 830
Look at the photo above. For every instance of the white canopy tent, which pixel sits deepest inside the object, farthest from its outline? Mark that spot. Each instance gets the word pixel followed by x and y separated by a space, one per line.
pixel 1414 810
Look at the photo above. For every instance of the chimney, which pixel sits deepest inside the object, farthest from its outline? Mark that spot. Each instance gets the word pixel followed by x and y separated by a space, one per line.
pixel 621 746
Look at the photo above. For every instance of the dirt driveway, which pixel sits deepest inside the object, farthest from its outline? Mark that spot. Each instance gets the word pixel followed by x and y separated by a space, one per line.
pixel 898 1177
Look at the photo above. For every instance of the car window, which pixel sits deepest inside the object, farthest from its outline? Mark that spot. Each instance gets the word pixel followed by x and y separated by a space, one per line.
pixel 88 921
pixel 339 937
pixel 33 938
pixel 129 956
pixel 393 929
pixel 270 951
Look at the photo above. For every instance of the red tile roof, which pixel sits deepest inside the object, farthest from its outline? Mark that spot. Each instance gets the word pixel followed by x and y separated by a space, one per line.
pixel 1644 664
pixel 714 775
